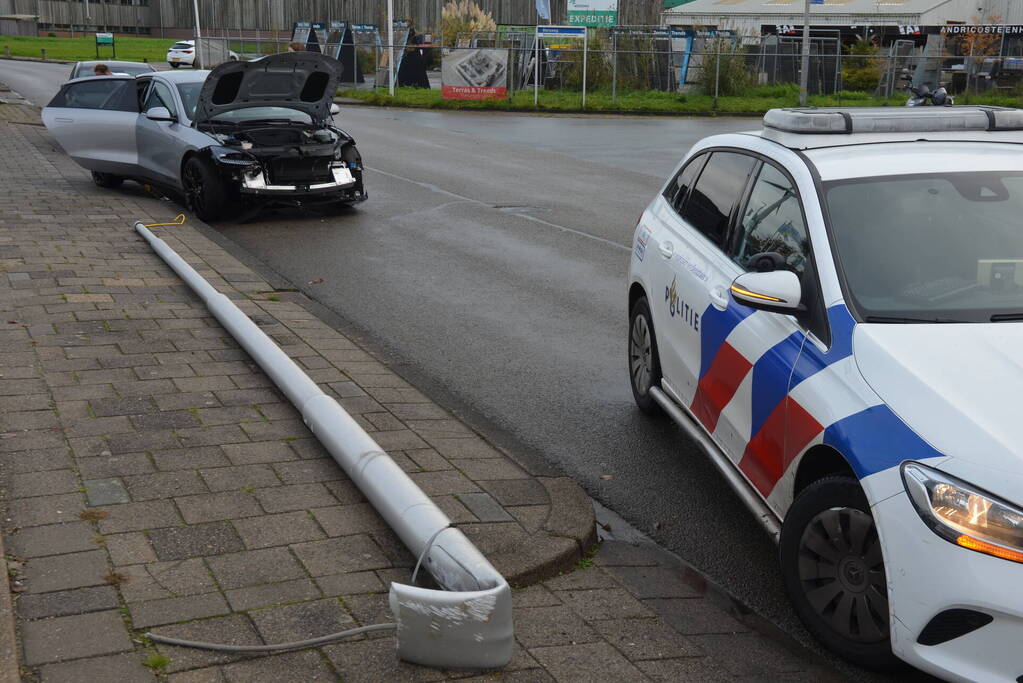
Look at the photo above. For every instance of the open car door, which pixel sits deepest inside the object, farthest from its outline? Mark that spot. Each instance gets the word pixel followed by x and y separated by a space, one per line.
pixel 94 120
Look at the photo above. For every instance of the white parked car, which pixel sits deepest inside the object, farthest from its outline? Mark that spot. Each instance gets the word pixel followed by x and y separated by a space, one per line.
pixel 183 53
pixel 832 307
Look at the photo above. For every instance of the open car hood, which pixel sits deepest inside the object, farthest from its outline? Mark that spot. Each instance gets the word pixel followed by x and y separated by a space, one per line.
pixel 305 81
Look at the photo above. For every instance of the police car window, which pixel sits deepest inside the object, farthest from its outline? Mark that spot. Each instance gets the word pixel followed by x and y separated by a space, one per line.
pixel 716 193
pixel 678 188
pixel 772 222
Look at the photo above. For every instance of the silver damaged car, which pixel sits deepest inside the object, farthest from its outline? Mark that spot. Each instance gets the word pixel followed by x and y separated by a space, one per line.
pixel 244 134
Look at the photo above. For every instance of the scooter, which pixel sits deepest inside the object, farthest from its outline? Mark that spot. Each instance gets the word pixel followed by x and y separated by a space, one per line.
pixel 924 95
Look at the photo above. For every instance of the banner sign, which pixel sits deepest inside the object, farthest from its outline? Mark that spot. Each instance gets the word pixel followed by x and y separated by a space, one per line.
pixel 992 29
pixel 480 74
pixel 561 31
pixel 593 12
pixel 104 38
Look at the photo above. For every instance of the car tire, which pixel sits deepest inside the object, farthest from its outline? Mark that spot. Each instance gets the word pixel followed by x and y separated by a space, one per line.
pixel 833 570
pixel 644 363
pixel 107 180
pixel 206 194
pixel 174 65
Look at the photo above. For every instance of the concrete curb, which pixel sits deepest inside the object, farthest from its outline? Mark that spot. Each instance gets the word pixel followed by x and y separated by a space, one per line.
pixel 40 59
pixel 9 671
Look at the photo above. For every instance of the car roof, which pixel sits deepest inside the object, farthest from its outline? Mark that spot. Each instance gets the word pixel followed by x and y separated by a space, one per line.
pixel 914 157
pixel 113 63
pixel 189 76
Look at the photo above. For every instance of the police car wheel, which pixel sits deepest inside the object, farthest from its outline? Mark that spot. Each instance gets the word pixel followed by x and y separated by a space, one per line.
pixel 644 365
pixel 834 572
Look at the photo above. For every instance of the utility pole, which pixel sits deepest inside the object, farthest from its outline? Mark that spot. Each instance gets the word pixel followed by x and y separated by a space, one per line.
pixel 390 46
pixel 804 62
pixel 198 35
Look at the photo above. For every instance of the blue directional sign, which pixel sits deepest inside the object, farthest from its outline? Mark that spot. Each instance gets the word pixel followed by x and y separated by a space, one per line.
pixel 561 31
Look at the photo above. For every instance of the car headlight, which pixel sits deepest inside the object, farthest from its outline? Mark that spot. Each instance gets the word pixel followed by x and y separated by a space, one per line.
pixel 964 514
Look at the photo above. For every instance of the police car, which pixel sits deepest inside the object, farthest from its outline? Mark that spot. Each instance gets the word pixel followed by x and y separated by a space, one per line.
pixel 831 307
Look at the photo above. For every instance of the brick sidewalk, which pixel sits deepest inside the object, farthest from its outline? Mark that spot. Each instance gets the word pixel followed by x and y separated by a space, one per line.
pixel 153 479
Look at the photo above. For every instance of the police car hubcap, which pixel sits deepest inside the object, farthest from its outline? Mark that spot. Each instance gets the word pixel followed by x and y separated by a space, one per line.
pixel 639 354
pixel 841 571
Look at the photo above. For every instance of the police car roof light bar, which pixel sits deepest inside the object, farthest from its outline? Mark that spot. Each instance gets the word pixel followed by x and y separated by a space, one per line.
pixel 837 121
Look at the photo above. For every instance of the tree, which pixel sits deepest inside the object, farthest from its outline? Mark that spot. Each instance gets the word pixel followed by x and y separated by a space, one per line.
pixel 861 67
pixel 981 44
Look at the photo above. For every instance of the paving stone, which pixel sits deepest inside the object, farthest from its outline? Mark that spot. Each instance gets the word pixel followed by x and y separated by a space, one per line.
pixel 586 662
pixel 604 603
pixel 110 466
pixel 622 554
pixel 689 670
pixel 72 570
pixel 296 497
pixel 345 520
pixel 136 405
pixel 441 483
pixel 136 442
pixel 101 492
pixel 373 660
pixel 166 580
pixel 654 582
pixel 255 567
pixel 272 594
pixel 83 635
pixel 241 477
pixel 52 539
pixel 228 415
pixel 295 666
pixel 164 485
pixel 557 625
pixel 272 530
pixel 345 554
pixel 63 603
pixel 301 621
pixel 309 471
pixel 695 615
pixel 123 668
pixel 454 509
pixel 212 674
pixel 211 436
pixel 351 583
pixel 190 458
pixel 259 452
pixel 582 579
pixel 533 596
pixel 137 516
pixel 511 492
pixel 345 492
pixel 484 507
pixel 645 639
pixel 170 610
pixel 130 548
pixel 199 540
pixel 35 461
pixel 173 419
pixel 235 629
pixel 463 448
pixel 212 507
pixel 41 483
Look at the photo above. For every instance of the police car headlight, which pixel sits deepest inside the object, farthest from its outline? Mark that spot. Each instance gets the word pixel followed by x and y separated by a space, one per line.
pixel 963 514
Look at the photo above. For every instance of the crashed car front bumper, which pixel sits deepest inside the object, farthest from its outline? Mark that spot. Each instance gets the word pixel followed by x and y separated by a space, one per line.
pixel 344 183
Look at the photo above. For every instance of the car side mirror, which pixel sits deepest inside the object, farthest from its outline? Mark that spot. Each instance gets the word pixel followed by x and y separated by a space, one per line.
pixel 334 109
pixel 160 114
pixel 778 291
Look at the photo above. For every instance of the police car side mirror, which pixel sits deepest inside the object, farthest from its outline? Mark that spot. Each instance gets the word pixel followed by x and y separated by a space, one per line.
pixel 778 291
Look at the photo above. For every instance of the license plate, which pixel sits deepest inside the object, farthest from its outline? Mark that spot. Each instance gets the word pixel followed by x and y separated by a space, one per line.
pixel 175 59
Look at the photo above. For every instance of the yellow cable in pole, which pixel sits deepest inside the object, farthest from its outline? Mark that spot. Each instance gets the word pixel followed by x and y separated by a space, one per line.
pixel 178 220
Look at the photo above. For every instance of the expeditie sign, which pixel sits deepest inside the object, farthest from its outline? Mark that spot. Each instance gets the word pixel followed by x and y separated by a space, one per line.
pixel 593 12
pixel 480 74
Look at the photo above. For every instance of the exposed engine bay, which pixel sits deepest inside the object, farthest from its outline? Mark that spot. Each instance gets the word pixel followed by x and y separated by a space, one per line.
pixel 288 158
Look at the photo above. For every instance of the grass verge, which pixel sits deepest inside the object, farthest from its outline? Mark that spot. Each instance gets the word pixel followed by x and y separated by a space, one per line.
pixel 755 102
pixel 84 48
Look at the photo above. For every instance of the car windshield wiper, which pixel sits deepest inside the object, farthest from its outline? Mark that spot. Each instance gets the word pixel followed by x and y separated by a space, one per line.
pixel 1006 317
pixel 903 319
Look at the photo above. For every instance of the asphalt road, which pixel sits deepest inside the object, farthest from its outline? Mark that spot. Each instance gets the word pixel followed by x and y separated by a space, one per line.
pixel 489 265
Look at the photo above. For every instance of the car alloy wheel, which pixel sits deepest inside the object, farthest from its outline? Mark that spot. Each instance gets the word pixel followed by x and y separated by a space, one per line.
pixel 842 573
pixel 644 364
pixel 195 188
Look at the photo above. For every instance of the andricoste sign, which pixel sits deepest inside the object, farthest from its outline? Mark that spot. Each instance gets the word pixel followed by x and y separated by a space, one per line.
pixel 993 29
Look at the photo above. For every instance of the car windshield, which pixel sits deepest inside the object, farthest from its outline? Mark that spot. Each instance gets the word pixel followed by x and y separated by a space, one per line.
pixel 941 247
pixel 189 93
pixel 84 70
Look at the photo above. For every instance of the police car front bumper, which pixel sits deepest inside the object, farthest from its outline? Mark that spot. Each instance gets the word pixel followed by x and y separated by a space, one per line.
pixel 927 578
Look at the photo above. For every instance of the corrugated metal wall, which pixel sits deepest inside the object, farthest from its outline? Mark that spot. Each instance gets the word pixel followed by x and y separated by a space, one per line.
pixel 280 14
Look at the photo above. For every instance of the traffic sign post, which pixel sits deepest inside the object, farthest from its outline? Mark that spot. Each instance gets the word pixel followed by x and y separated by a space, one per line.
pixel 557 32
pixel 106 39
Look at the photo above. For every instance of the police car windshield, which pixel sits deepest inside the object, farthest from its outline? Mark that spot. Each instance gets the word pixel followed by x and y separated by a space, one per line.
pixel 930 247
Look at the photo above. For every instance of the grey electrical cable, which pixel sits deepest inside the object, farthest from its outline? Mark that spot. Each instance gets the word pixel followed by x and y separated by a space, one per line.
pixel 312 642
pixel 426 549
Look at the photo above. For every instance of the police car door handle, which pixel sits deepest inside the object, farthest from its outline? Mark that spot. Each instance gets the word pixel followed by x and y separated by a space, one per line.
pixel 667 249
pixel 719 297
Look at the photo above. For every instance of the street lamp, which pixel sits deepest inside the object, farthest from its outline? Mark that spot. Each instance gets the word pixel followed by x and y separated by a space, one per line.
pixel 390 45
pixel 804 63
